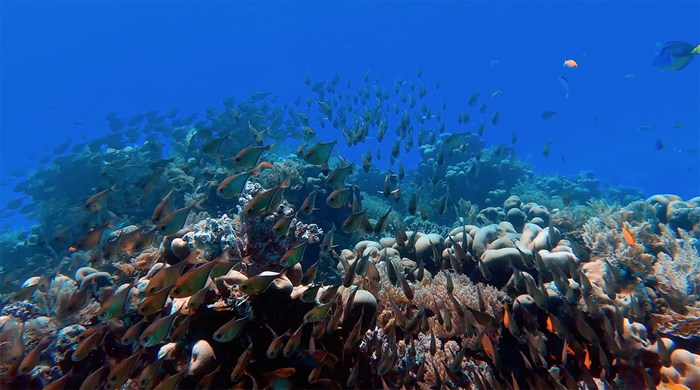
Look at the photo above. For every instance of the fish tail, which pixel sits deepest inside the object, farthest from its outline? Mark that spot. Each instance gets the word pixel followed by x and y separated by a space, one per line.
pixel 696 50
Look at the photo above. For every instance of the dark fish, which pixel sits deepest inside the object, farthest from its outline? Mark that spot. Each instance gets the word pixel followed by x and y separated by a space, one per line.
pixel 548 114
pixel 659 144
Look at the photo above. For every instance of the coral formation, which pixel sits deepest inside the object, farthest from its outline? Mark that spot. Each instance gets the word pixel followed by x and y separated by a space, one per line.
pixel 236 262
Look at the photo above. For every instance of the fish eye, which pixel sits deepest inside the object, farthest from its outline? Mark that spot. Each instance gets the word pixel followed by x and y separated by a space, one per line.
pixel 222 190
pixel 113 378
pixel 177 291
pixel 162 227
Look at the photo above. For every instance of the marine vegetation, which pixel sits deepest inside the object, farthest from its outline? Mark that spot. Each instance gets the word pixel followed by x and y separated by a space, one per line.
pixel 242 251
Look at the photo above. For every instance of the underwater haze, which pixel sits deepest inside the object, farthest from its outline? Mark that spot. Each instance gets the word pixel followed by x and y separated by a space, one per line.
pixel 350 194
pixel 76 61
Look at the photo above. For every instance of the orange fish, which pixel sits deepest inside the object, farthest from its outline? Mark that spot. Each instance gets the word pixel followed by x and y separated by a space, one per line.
pixel 629 239
pixel 570 64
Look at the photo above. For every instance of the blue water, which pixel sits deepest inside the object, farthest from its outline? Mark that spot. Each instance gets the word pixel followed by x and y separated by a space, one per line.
pixel 77 61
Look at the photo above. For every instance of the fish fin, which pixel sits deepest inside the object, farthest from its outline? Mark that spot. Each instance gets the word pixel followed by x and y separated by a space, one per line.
pixel 696 50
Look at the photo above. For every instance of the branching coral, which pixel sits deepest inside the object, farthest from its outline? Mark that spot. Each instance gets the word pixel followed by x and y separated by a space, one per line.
pixel 680 273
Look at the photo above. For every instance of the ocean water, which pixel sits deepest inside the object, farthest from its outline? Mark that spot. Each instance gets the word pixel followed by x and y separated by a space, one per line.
pixel 614 287
pixel 77 61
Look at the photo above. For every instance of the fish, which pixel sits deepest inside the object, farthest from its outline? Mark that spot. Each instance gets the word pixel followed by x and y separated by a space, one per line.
pixel 318 313
pixel 674 56
pixel 114 307
pixel 565 82
pixel 145 380
pixel 474 99
pixel 153 303
pixel 194 280
pixel 281 227
pixel 170 383
pixel 267 200
pixel 94 380
pixel 132 334
pixel 352 223
pixel 230 330
pixel 234 185
pixel 157 331
pixel 167 275
pixel 659 144
pixel 294 340
pixel 545 150
pixel 258 283
pixel 213 147
pixel 32 358
pixel 97 201
pixel 173 222
pixel 309 204
pixel 338 198
pixel 336 179
pixel 381 224
pixel 294 255
pixel 320 152
pixel 90 240
pixel 119 374
pixel 629 238
pixel 248 157
pixel 570 64
pixel 548 114
pixel 60 383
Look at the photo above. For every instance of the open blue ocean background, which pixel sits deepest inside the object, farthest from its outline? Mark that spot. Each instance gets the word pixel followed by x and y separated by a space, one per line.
pixel 65 61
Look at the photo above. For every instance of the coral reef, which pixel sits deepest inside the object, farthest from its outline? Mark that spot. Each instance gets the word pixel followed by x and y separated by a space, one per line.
pixel 235 262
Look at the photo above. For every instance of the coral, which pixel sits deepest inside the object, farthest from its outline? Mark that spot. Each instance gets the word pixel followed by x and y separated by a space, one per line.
pixel 215 236
pixel 468 212
pixel 681 273
pixel 286 167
